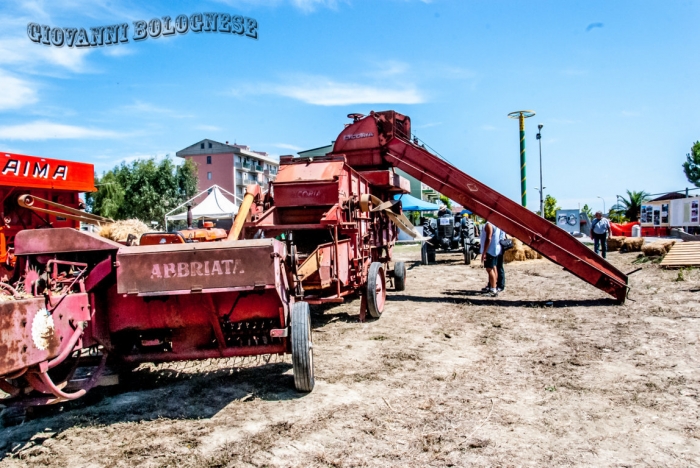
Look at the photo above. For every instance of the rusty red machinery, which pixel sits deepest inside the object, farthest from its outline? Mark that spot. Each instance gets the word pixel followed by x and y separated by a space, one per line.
pixel 324 231
pixel 48 180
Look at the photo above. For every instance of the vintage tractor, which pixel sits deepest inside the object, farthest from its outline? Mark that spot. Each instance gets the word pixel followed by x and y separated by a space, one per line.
pixel 450 233
pixel 324 231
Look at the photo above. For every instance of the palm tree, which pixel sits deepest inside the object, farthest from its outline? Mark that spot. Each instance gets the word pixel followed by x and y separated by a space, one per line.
pixel 632 205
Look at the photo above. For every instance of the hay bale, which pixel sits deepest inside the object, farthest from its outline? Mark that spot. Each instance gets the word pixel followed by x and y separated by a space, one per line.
pixel 668 244
pixel 632 244
pixel 531 254
pixel 120 230
pixel 615 242
pixel 654 249
pixel 514 255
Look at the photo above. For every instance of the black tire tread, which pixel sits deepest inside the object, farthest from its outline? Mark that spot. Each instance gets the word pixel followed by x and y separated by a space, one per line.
pixel 302 347
pixel 371 289
pixel 399 276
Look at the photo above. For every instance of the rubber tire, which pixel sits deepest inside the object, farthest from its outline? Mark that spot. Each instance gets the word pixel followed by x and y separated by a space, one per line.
pixel 467 254
pixel 302 347
pixel 399 276
pixel 375 307
pixel 431 256
pixel 424 254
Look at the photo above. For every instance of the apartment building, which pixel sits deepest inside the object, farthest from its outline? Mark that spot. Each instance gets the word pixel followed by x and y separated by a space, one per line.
pixel 231 167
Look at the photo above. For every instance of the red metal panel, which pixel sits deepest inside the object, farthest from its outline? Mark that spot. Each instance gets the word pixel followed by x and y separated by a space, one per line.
pixel 17 347
pixel 198 266
pixel 18 170
pixel 306 194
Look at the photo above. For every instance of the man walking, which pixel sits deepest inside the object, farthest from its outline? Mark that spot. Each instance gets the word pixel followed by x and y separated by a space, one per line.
pixel 599 232
pixel 490 251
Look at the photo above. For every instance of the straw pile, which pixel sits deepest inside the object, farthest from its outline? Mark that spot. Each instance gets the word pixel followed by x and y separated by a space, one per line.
pixel 615 242
pixel 519 253
pixel 632 244
pixel 120 230
pixel 657 249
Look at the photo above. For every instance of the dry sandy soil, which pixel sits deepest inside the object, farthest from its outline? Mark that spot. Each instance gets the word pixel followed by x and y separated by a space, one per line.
pixel 551 372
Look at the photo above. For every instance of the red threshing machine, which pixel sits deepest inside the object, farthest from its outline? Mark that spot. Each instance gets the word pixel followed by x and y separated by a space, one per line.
pixel 324 230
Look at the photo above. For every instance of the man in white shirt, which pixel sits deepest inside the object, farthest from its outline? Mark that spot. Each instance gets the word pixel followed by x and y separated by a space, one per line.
pixel 599 232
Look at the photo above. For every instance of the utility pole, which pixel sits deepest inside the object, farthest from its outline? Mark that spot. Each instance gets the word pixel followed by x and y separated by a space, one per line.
pixel 539 138
pixel 521 116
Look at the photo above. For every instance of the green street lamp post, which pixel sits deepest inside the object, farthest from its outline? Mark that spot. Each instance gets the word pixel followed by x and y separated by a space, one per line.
pixel 521 116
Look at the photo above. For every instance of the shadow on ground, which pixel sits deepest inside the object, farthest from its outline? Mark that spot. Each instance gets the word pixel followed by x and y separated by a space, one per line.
pixel 145 394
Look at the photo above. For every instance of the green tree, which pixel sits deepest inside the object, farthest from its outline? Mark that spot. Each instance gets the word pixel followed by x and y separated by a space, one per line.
pixel 145 189
pixel 446 201
pixel 692 166
pixel 550 208
pixel 587 209
pixel 632 205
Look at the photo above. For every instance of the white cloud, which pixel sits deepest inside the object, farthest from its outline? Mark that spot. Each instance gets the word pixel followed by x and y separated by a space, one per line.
pixel 118 51
pixel 15 92
pixel 43 130
pixel 307 6
pixel 208 128
pixel 321 91
pixel 428 125
pixel 141 107
pixel 21 51
pixel 287 146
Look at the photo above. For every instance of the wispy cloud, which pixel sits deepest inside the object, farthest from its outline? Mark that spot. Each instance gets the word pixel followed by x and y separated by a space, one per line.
pixel 140 107
pixel 15 92
pixel 44 130
pixel 287 146
pixel 208 128
pixel 118 51
pixel 21 51
pixel 428 125
pixel 306 6
pixel 573 72
pixel 322 91
pixel 593 26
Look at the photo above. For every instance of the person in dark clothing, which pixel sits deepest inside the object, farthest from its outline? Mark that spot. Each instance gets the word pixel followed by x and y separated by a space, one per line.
pixel 600 227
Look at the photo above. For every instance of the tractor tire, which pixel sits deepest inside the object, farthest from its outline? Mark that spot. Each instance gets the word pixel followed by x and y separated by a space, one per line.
pixel 399 276
pixel 376 289
pixel 424 254
pixel 302 347
pixel 431 256
pixel 467 254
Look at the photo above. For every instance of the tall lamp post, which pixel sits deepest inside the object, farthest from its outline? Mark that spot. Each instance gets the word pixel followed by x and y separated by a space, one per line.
pixel 539 139
pixel 541 190
pixel 521 116
pixel 603 203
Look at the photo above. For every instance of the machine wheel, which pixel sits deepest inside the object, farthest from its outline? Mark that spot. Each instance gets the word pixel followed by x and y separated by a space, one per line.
pixel 399 276
pixel 467 254
pixel 302 347
pixel 431 255
pixel 376 289
pixel 424 254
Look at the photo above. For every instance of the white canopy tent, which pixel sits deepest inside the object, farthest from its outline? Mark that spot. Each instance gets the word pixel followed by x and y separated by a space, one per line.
pixel 215 206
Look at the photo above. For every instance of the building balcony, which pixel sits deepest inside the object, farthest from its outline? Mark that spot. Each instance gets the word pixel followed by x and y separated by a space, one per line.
pixel 246 166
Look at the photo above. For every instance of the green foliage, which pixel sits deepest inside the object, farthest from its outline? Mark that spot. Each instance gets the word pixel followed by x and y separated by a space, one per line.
pixel 617 213
pixel 446 201
pixel 550 208
pixel 146 189
pixel 632 205
pixel 692 166
pixel 587 209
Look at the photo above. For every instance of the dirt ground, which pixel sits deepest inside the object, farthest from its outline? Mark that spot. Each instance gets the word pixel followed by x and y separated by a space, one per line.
pixel 551 372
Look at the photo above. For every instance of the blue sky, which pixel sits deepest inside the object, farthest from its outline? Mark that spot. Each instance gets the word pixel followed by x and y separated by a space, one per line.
pixel 614 83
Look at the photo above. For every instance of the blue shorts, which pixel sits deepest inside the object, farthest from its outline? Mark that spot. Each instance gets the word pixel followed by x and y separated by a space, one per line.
pixel 490 261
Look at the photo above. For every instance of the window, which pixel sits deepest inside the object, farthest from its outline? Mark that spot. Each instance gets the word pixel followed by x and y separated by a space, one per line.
pixel 208 159
pixel 208 175
pixel 201 146
pixel 209 144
